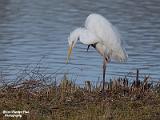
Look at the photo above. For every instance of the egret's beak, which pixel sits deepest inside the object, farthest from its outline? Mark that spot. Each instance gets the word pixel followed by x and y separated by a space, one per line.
pixel 69 53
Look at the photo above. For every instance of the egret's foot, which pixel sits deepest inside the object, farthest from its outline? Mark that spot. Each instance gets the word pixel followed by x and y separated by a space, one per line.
pixel 88 47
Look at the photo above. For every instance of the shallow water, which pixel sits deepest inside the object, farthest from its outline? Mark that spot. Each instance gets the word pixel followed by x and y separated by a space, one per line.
pixel 35 32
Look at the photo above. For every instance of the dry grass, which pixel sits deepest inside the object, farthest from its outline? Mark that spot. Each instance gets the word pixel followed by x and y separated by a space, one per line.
pixel 122 100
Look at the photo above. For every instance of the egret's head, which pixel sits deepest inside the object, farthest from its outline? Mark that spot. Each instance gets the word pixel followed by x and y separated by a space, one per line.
pixel 72 40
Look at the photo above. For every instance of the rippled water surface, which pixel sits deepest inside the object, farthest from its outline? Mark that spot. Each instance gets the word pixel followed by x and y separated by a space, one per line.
pixel 35 32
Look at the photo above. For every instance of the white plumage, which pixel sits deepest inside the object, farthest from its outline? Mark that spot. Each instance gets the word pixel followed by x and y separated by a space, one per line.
pixel 84 35
pixel 99 33
pixel 99 30
pixel 108 35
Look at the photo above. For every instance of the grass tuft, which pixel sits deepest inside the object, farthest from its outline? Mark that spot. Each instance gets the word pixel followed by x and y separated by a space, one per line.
pixel 124 99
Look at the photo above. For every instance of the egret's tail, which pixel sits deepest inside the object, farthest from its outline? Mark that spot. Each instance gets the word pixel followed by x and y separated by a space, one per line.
pixel 120 55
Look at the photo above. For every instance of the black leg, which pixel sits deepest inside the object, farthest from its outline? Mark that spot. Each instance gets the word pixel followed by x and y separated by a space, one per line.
pixel 104 72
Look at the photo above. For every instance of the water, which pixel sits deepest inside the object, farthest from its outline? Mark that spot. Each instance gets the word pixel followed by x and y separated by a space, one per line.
pixel 35 32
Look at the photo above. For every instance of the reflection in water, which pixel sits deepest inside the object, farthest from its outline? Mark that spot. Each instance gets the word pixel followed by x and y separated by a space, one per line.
pixel 33 29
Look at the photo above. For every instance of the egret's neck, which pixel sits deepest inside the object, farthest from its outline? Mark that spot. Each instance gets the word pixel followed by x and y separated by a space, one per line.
pixel 74 36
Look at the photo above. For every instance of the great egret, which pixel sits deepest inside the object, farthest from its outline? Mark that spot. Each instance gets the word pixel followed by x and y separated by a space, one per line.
pixel 99 33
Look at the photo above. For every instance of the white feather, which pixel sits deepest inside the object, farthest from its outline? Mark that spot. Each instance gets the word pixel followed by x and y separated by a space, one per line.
pixel 84 35
pixel 108 34
pixel 99 30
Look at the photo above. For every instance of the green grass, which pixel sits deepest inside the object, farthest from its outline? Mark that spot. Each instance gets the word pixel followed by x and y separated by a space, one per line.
pixel 138 100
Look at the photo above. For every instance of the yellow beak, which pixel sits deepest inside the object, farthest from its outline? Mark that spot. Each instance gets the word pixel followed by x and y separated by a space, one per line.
pixel 69 54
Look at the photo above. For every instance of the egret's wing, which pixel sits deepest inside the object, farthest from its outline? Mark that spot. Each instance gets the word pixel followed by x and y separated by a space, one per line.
pixel 108 34
pixel 102 28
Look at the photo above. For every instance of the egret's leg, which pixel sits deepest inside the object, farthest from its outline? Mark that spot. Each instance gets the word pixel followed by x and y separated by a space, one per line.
pixel 104 73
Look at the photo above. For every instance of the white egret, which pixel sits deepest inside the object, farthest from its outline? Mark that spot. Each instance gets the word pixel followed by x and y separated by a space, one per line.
pixel 99 33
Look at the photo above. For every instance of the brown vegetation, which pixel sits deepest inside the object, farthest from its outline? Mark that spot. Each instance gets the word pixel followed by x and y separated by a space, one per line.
pixel 122 100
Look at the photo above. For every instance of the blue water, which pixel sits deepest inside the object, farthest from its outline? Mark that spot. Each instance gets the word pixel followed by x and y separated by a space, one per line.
pixel 34 33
